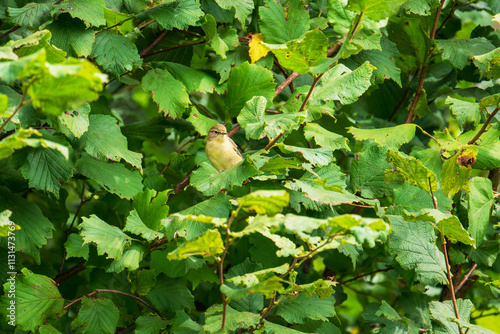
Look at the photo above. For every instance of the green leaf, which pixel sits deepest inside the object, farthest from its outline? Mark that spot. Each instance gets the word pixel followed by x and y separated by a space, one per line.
pixel 322 195
pixel 273 328
pixel 31 15
pixel 207 245
pixel 445 321
pixel 71 36
pixel 136 225
pixel 410 169
pixel 367 173
pixel 298 309
pixel 445 223
pixel 55 93
pixel 414 246
pixel 115 53
pixel 393 136
pixel 193 80
pixel 150 324
pixel 36 42
pixel 234 319
pixel 339 16
pixel 383 60
pixel 35 227
pixel 317 156
pixel 97 315
pixel 182 323
pixel 91 12
pixel 480 200
pixel 301 54
pixel 46 169
pixel 325 138
pixel 217 206
pixel 200 122
pixel 251 117
pixel 171 295
pixel 104 140
pixel 209 181
pixel 219 42
pixel 464 111
pixel 342 84
pixel 130 259
pixel 178 14
pixel 242 8
pixel 109 239
pixel 76 121
pixel 414 199
pixel 374 9
pixel 264 286
pixel 459 51
pixel 119 21
pixel 280 25
pixel 113 176
pixel 172 101
pixel 75 247
pixel 488 64
pixel 419 7
pixel 152 207
pixel 410 36
pixel 454 175
pixel 245 82
pixel 265 202
pixel 36 299
pixel 385 314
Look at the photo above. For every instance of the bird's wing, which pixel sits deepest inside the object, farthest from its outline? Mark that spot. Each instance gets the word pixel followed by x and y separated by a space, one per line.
pixel 235 147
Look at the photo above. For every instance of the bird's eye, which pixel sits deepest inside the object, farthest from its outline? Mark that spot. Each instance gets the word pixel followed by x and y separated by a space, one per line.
pixel 216 132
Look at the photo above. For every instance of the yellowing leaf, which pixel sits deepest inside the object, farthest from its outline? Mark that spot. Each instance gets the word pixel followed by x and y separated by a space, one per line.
pixel 257 49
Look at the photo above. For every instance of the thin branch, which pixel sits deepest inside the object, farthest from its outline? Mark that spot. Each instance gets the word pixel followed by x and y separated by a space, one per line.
pixel 19 105
pixel 150 47
pixel 6 134
pixel 70 273
pixel 221 268
pixel 142 26
pixel 405 95
pixel 116 25
pixel 452 290
pixel 274 141
pixel 172 48
pixel 197 105
pixel 466 277
pixel 367 274
pixel 432 194
pixel 282 69
pixel 181 185
pixel 310 92
pixel 483 128
pixel 286 83
pixel 95 292
pixel 234 130
pixel 9 31
pixel 68 231
pixel 423 70
pixel 178 150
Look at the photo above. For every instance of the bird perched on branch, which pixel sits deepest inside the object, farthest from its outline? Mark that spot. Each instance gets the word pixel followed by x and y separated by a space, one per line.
pixel 221 150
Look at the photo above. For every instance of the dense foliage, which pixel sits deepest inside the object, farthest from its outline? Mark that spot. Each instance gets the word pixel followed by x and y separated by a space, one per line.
pixel 366 201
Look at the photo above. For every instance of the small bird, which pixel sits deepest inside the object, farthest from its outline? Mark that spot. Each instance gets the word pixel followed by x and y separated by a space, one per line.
pixel 221 150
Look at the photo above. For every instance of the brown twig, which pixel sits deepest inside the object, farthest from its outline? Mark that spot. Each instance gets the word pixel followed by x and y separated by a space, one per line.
pixel 178 150
pixel 70 273
pixel 221 268
pixel 274 141
pixel 282 69
pixel 115 25
pixel 286 83
pixel 197 105
pixel 95 292
pixel 448 271
pixel 310 92
pixel 367 274
pixel 234 130
pixel 405 95
pixel 9 31
pixel 150 47
pixel 483 128
pixel 19 105
pixel 68 231
pixel 466 277
pixel 432 195
pixel 172 48
pixel 423 68
pixel 142 26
